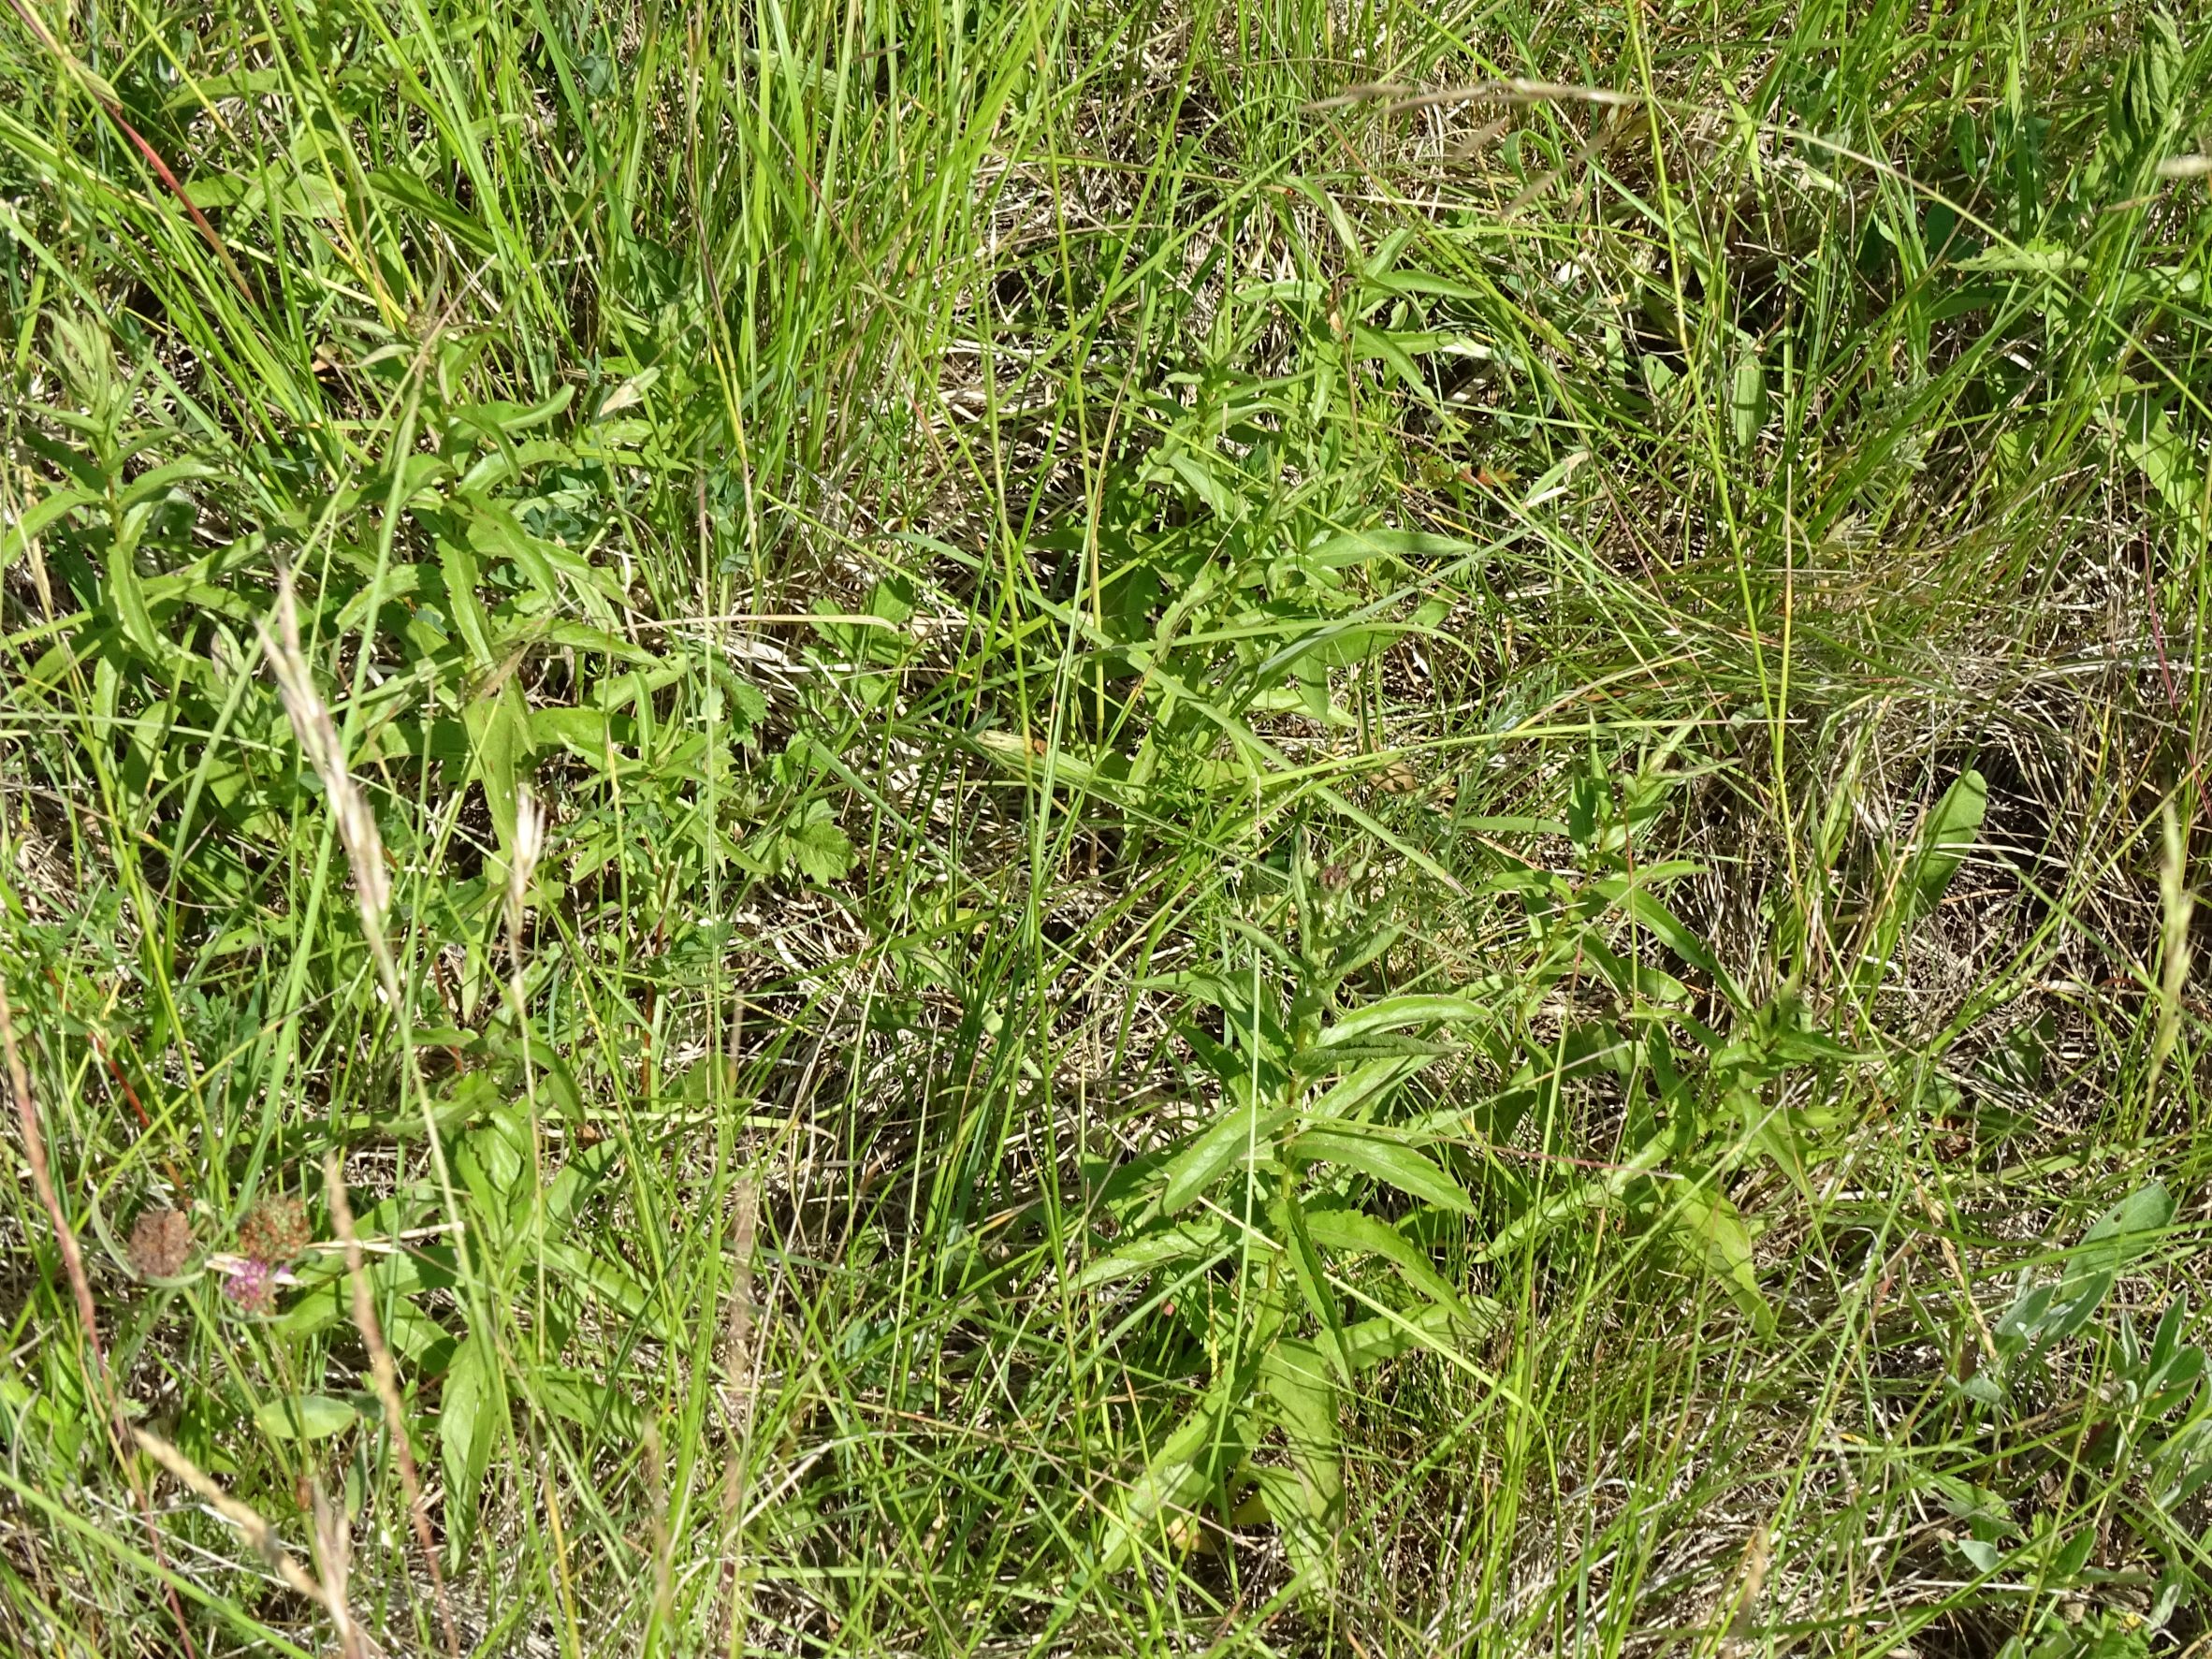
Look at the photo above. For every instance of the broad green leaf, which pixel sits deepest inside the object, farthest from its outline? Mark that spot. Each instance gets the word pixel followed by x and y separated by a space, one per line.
pixel 491 1162
pixel 325 1298
pixel 2125 1226
pixel 37 517
pixel 1203 482
pixel 1306 1501
pixel 463 608
pixel 1383 1045
pixel 558 577
pixel 586 1402
pixel 1312 1275
pixel 129 601
pixel 467 1410
pixel 1509 824
pixel 1370 1341
pixel 1747 399
pixel 1945 839
pixel 585 1168
pixel 204 90
pixel 1423 282
pixel 1359 545
pixel 2144 92
pixel 1643 906
pixel 304 1416
pixel 584 732
pixel 1982 1556
pixel 1191 1240
pixel 1985 1512
pixel 1388 1162
pixel 499 742
pixel 1716 1236
pixel 613 1284
pixel 1199 1164
pixel 2166 456
pixel 1772 1132
pixel 2116 1238
pixel 1395 349
pixel 1359 1089
pixel 1333 648
pixel 503 418
pixel 404 189
pixel 165 478
pixel 1800 1047
pixel 1393 1013
pixel 1356 1230
pixel 2071 1556
pixel 1010 749
pixel 417 1337
pixel 583 636
pixel 820 850
pixel 1217 1436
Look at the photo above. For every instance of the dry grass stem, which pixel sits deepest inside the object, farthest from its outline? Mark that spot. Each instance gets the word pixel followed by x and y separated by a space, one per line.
pixel 386 1379
pixel 26 1109
pixel 249 1521
pixel 319 741
pixel 738 1364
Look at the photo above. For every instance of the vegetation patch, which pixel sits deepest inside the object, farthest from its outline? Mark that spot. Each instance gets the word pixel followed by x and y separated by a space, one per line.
pixel 1006 826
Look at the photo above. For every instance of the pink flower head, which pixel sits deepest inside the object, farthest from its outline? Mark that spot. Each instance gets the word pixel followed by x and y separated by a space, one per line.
pixel 253 1287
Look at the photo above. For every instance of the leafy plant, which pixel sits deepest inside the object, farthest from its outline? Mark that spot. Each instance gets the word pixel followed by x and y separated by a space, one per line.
pixel 1239 562
pixel 1282 1184
pixel 1322 1154
pixel 925 497
pixel 2153 1414
pixel 2045 1311
pixel 522 1248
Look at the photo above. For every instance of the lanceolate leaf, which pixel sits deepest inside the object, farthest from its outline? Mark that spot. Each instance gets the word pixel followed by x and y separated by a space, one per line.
pixel 1715 1235
pixel 2130 1226
pixel 1370 1341
pixel 1359 1090
pixel 1205 1159
pixel 1309 1505
pixel 1359 545
pixel 1388 1162
pixel 1313 1279
pixel 499 738
pixel 1354 1229
pixel 1945 839
pixel 1215 1436
pixel 1395 1013
pixel 466 1420
pixel 304 1417
pixel 1204 1236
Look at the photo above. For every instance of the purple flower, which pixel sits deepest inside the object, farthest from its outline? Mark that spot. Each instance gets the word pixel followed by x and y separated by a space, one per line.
pixel 253 1287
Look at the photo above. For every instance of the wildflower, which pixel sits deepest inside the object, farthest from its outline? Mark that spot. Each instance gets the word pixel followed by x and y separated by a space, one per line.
pixel 161 1243
pixel 253 1287
pixel 274 1231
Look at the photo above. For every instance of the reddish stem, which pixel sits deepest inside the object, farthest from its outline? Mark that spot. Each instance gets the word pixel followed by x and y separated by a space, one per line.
pixel 114 113
pixel 26 1112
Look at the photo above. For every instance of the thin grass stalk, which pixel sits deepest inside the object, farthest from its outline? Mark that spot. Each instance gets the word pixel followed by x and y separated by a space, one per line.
pixel 385 1376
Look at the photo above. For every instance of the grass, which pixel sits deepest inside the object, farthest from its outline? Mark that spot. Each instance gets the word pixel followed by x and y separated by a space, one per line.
pixel 1224 826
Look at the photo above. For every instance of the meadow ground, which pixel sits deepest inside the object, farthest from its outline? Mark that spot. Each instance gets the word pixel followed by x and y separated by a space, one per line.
pixel 1201 827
